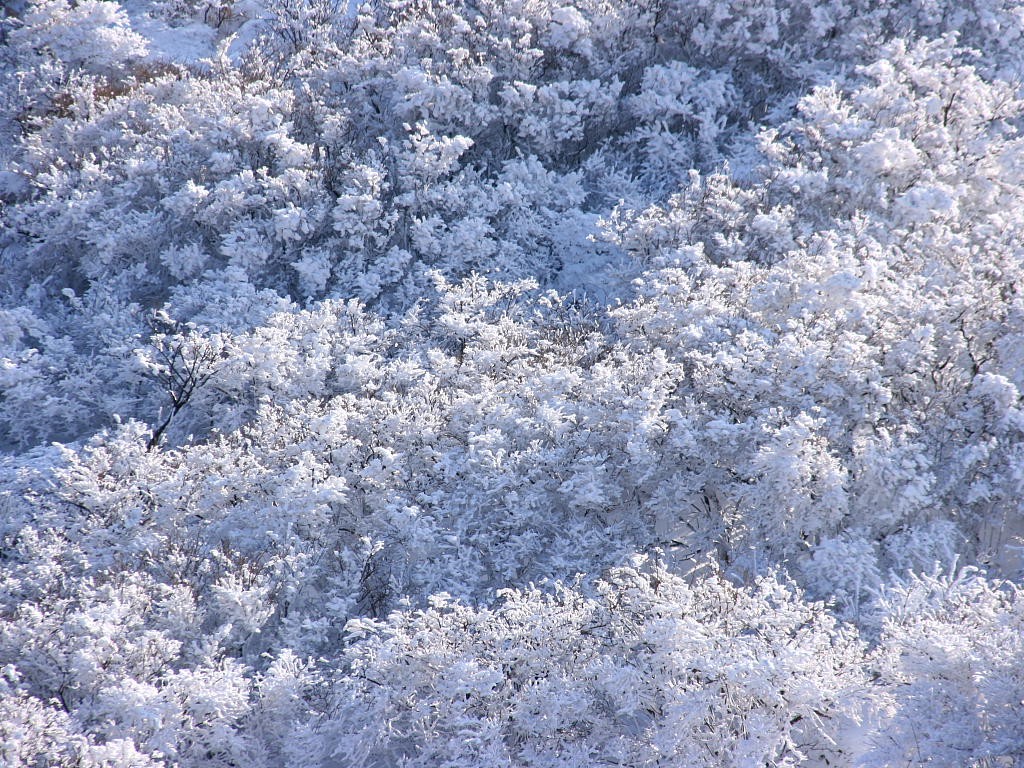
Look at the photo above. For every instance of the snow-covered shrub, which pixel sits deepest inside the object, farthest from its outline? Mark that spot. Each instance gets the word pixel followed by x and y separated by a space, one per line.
pixel 93 36
pixel 649 669
pixel 950 653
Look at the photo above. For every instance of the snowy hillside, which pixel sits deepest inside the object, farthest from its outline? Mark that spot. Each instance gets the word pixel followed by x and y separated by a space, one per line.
pixel 477 383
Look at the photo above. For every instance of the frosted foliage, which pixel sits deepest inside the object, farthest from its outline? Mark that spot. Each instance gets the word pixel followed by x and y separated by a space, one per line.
pixel 89 34
pixel 511 383
pixel 650 669
pixel 845 568
pixel 951 650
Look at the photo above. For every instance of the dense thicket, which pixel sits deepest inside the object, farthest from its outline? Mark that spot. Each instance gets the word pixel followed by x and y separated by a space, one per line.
pixel 511 383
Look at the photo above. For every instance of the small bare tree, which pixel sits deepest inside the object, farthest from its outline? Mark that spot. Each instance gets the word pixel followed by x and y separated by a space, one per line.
pixel 181 359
